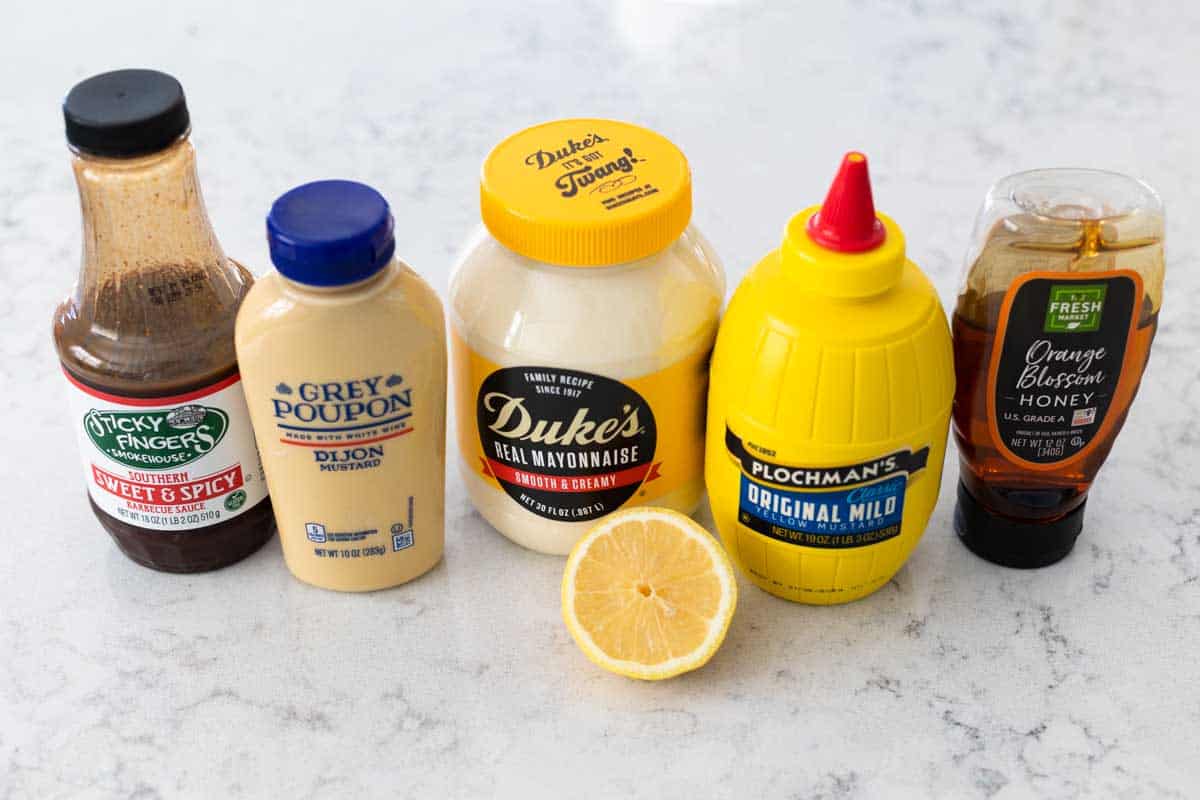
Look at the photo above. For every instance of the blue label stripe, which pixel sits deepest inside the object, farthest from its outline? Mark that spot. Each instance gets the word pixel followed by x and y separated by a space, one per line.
pixel 850 517
pixel 376 424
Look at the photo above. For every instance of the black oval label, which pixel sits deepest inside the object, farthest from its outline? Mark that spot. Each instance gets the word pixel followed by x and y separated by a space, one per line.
pixel 1058 363
pixel 566 445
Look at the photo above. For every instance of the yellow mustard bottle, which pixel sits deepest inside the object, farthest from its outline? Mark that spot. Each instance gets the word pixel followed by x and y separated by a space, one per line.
pixel 829 402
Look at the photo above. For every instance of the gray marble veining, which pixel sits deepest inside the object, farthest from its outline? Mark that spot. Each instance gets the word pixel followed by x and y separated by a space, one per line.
pixel 959 679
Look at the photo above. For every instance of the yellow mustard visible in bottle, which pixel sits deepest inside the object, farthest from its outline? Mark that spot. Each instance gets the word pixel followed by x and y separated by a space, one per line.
pixel 829 403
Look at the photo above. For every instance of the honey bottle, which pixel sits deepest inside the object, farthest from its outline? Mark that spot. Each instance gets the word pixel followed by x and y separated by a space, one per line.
pixel 830 398
pixel 1052 332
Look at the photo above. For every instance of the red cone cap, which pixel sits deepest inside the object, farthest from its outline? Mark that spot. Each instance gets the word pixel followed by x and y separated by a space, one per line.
pixel 847 222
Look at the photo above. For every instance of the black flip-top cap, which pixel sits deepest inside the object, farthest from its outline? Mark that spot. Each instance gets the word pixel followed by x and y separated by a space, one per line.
pixel 125 113
pixel 1013 543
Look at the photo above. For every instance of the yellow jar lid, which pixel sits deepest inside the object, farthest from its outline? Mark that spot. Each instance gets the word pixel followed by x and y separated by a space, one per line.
pixel 586 192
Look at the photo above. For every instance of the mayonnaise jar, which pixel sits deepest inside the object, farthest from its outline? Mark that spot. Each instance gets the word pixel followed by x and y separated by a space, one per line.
pixel 582 317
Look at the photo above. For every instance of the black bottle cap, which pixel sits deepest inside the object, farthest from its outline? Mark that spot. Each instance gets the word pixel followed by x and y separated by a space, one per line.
pixel 1012 543
pixel 125 113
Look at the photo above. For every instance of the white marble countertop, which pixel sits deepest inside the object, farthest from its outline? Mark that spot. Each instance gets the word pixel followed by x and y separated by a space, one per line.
pixel 959 679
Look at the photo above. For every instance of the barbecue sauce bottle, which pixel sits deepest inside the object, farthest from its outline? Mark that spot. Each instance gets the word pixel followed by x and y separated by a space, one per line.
pixel 146 337
pixel 1052 332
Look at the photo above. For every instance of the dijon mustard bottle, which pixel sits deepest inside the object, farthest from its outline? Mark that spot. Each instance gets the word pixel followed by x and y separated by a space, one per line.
pixel 343 351
pixel 829 403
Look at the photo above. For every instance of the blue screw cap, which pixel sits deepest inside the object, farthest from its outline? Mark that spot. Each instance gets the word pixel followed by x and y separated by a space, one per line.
pixel 330 233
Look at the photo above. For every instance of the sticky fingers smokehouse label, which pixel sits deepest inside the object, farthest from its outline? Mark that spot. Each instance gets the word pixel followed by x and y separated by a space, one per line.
pixel 1057 363
pixel 834 506
pixel 169 463
pixel 572 446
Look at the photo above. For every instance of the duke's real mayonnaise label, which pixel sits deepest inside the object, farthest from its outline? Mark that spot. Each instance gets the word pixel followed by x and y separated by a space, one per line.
pixel 573 446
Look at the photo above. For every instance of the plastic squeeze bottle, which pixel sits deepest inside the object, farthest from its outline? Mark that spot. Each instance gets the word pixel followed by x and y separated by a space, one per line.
pixel 830 396
pixel 1052 333
pixel 146 337
pixel 343 354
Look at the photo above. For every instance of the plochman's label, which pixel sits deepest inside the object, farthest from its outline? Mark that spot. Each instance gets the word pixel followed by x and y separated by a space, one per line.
pixel 572 446
pixel 1057 362
pixel 835 506
pixel 169 463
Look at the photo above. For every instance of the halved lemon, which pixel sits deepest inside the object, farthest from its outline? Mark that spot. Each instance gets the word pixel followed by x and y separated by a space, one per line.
pixel 648 593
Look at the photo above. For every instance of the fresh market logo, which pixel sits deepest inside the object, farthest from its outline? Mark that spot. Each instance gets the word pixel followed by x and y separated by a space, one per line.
pixel 156 439
pixel 1074 309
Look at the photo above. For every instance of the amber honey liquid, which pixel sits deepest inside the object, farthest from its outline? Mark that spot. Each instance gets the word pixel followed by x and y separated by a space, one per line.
pixel 995 481
pixel 1074 249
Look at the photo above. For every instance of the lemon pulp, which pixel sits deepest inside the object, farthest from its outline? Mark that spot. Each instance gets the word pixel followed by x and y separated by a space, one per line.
pixel 647 593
